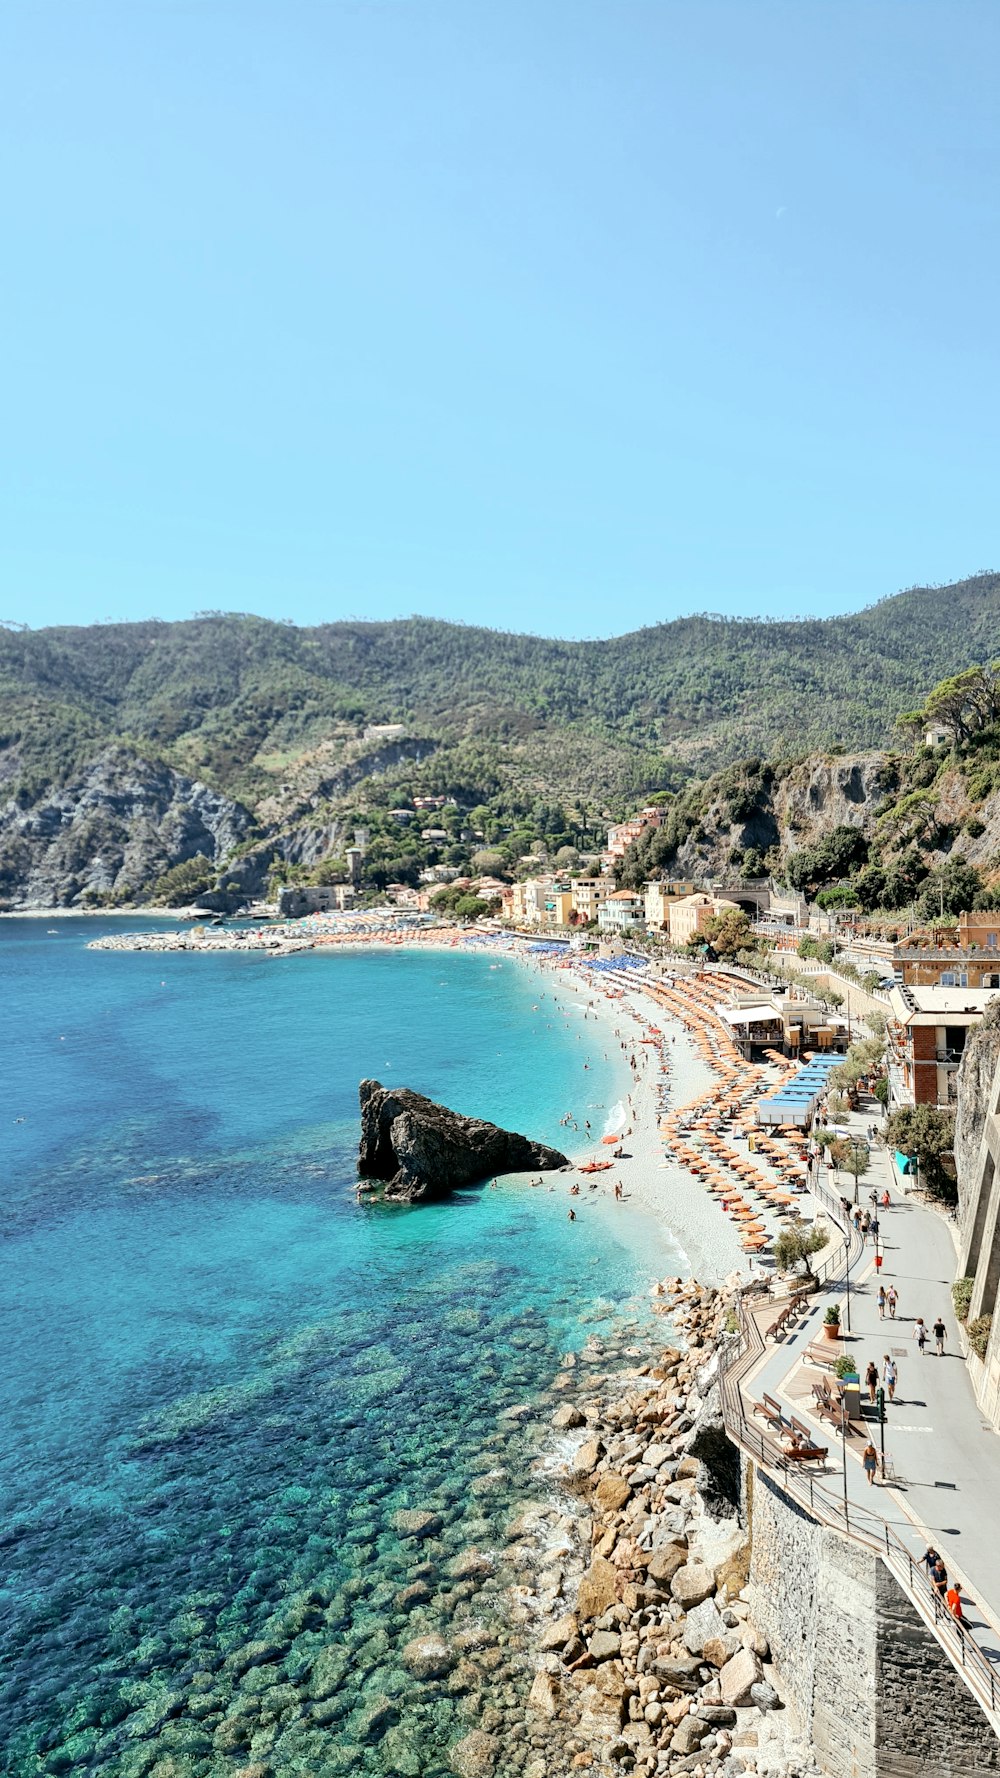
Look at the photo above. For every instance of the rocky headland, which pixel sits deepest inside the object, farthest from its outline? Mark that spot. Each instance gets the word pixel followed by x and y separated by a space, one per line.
pixel 422 1150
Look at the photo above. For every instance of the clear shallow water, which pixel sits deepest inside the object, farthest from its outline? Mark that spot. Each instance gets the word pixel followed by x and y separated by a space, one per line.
pixel 223 1376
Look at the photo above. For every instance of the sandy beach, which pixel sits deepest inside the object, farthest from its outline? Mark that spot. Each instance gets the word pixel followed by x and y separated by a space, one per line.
pixel 654 1186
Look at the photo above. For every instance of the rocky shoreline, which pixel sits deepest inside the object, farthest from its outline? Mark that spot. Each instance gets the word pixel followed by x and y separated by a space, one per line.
pixel 275 940
pixel 656 1667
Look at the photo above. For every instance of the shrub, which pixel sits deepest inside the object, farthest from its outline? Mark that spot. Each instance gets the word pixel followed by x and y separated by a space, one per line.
pixel 979 1334
pixel 961 1296
pixel 845 1367
pixel 832 1316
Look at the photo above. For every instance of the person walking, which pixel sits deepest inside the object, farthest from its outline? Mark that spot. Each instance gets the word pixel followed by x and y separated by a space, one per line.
pixel 939 1578
pixel 873 1230
pixel 930 1558
pixel 953 1600
pixel 892 1298
pixel 889 1374
pixel 870 1461
pixel 885 1199
pixel 920 1334
pixel 939 1332
pixel 880 1299
pixel 871 1379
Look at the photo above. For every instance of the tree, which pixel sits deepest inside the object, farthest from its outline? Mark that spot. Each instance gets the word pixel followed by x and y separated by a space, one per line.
pixel 951 889
pixel 927 1135
pixel 472 907
pixel 851 1156
pixel 795 1247
pixel 729 933
pixel 185 882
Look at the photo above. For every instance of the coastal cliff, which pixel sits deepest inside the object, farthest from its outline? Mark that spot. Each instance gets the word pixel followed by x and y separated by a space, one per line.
pixel 110 830
pixel 423 1150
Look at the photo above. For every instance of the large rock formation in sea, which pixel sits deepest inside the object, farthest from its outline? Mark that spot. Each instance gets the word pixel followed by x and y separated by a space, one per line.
pixel 423 1150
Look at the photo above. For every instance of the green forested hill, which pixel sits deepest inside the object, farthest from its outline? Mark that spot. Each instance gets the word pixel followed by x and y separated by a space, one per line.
pixel 129 749
pixel 233 698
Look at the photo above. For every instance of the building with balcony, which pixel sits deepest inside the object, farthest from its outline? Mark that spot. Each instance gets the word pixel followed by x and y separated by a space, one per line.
pixel 925 1041
pixel 622 912
pixel 965 955
pixel 589 896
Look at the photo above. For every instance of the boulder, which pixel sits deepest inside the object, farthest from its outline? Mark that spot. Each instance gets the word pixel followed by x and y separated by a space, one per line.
pixel 473 1756
pixel 588 1457
pixel 558 1634
pixel 738 1676
pixel 566 1417
pixel 688 1735
pixel 416 1522
pixel 544 1694
pixel 602 1704
pixel 428 1657
pixel 423 1150
pixel 702 1624
pixel 605 1645
pixel 598 1588
pixel 664 1563
pixel 764 1696
pixel 717 1650
pixel 611 1492
pixel 682 1675
pixel 691 1584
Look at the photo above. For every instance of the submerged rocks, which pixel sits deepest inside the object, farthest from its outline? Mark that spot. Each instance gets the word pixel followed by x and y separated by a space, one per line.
pixel 416 1522
pixel 423 1150
pixel 428 1657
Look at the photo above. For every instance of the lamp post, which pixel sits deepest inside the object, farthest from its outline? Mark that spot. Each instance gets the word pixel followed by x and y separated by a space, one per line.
pixel 847 1259
pixel 843 1448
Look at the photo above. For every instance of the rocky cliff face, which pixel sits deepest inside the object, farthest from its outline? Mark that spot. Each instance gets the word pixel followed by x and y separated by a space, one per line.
pixel 795 810
pixel 422 1150
pixel 977 1079
pixel 113 828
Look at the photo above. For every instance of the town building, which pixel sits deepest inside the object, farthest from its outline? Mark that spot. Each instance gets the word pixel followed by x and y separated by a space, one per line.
pixel 295 901
pixel 622 912
pixel 658 899
pixel 589 894
pixel 964 955
pixel 925 1041
pixel 782 1020
pixel 385 731
pixel 622 834
pixel 690 914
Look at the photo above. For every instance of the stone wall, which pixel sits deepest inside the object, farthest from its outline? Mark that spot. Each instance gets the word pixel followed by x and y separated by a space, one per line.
pixel 927 1721
pixel 875 1693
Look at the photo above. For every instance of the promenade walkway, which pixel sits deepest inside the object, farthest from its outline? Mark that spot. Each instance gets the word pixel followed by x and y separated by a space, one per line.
pixel 942 1483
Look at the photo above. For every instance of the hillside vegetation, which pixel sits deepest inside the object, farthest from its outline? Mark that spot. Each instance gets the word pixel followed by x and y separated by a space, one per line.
pixel 103 730
pixel 913 826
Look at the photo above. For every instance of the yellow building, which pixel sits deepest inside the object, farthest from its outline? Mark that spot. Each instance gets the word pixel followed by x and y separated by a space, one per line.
pixel 658 899
pixel 589 895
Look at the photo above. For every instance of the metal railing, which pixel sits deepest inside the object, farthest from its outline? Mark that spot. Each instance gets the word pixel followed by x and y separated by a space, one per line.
pixel 859 1523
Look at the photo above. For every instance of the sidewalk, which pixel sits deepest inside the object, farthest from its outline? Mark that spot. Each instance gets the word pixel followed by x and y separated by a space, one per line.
pixel 943 1459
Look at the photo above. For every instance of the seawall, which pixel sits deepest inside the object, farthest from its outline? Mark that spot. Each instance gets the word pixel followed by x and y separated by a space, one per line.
pixel 876 1695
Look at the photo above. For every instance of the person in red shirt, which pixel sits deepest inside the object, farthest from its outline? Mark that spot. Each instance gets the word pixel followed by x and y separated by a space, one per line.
pixel 953 1600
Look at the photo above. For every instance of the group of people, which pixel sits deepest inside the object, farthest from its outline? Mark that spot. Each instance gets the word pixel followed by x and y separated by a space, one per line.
pixel 890 1377
pixel 949 1593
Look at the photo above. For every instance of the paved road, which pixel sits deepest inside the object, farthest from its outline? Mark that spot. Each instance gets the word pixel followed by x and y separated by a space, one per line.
pixel 944 1458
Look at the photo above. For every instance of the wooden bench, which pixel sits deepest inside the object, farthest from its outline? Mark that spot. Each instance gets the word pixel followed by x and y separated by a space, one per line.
pixel 809 1454
pixel 774 1407
pixel 774 1417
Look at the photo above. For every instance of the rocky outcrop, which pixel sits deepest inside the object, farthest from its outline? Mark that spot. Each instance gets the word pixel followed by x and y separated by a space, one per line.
pixel 976 1078
pixel 422 1150
pixel 112 829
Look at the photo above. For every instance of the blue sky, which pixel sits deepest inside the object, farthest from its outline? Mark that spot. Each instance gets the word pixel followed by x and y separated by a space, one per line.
pixel 564 315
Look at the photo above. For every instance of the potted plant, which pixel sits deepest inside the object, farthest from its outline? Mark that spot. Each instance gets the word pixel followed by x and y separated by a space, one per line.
pixel 845 1370
pixel 831 1322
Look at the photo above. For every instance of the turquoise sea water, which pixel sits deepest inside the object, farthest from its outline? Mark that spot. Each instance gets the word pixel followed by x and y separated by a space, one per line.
pixel 223 1376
